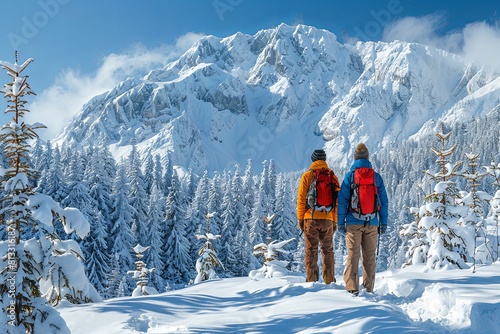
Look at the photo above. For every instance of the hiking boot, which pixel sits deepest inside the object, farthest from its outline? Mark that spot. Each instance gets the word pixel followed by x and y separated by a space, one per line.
pixel 327 280
pixel 312 276
pixel 354 292
pixel 328 277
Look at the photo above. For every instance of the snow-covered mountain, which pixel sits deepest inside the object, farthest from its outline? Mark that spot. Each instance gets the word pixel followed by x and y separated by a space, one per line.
pixel 282 93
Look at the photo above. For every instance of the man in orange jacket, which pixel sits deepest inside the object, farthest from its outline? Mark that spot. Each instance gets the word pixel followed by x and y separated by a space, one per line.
pixel 318 224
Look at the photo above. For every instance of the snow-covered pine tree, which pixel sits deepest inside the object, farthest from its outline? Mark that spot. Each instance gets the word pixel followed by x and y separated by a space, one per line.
pixel 208 259
pixel 229 228
pixel 242 251
pixel 167 176
pixel 99 174
pixel 284 223
pixel 248 190
pixel 272 267
pixel 53 181
pixel 233 221
pixel 494 170
pixel 418 245
pixel 176 245
pixel 493 219
pixel 27 264
pixel 241 248
pixel 297 264
pixel 120 237
pixel 199 205
pixel 190 186
pixel 95 251
pixel 78 197
pixel 215 195
pixel 155 257
pixel 195 213
pixel 438 218
pixel 141 274
pixel 157 174
pixel 187 197
pixel 67 154
pixel 36 155
pixel 474 220
pixel 77 192
pixel 43 166
pixel 258 231
pixel 137 196
pixel 245 249
pixel 149 173
pixel 271 186
pixel 56 185
pixel 494 222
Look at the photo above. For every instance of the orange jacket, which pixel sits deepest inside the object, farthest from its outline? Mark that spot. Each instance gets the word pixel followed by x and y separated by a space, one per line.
pixel 302 211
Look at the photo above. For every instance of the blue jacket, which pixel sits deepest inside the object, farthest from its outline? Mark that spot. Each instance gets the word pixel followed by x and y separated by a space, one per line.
pixel 344 214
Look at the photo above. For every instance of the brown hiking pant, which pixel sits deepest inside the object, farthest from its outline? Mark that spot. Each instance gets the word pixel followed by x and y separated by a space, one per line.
pixel 319 231
pixel 364 238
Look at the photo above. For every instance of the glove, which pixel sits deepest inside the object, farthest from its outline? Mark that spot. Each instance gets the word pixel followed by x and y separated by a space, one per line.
pixel 342 228
pixel 301 225
pixel 382 228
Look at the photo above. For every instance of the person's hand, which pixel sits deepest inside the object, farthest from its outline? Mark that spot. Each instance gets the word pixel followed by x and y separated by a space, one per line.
pixel 301 225
pixel 342 228
pixel 382 228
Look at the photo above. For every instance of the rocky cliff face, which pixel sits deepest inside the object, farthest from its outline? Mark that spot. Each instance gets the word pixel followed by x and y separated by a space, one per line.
pixel 279 95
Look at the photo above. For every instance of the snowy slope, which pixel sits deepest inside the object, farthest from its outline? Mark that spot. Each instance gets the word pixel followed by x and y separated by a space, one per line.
pixel 405 301
pixel 280 94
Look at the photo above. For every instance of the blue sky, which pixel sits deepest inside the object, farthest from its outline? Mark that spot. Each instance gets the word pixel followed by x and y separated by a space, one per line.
pixel 82 48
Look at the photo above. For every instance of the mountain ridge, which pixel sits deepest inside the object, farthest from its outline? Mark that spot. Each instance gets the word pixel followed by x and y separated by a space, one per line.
pixel 280 94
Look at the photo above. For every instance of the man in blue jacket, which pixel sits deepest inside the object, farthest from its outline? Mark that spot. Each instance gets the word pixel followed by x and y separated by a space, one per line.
pixel 361 231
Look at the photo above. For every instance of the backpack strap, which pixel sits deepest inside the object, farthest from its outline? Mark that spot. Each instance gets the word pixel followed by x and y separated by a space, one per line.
pixel 365 218
pixel 335 189
pixel 313 177
pixel 351 191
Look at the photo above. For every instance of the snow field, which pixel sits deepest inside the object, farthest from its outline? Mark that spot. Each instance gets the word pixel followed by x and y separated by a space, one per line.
pixel 406 300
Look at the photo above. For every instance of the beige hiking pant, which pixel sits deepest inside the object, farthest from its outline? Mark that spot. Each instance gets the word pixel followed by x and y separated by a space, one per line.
pixel 364 239
pixel 319 232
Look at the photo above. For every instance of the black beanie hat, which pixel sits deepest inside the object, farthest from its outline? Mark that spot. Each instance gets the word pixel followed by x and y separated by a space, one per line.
pixel 318 155
pixel 361 152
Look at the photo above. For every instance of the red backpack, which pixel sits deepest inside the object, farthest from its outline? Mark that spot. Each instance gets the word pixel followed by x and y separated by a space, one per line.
pixel 364 194
pixel 323 190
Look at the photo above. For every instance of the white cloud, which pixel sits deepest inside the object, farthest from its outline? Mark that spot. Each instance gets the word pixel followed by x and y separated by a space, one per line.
pixel 56 105
pixel 482 44
pixel 478 42
pixel 423 30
